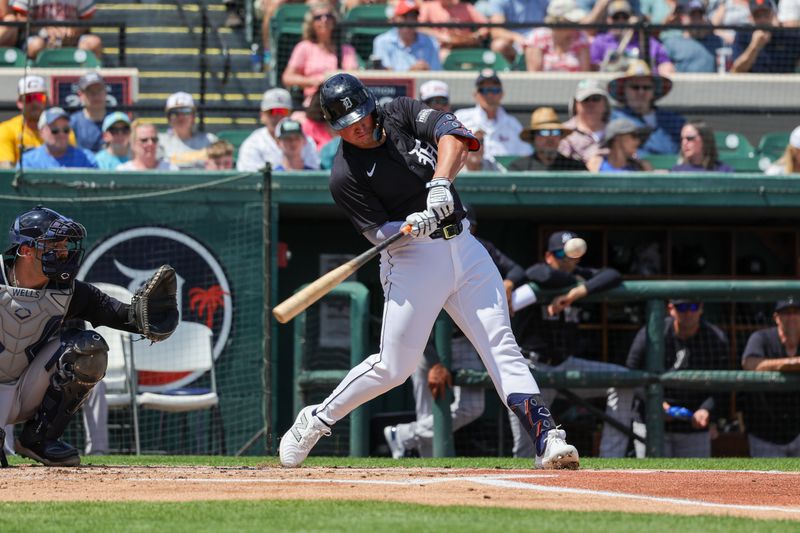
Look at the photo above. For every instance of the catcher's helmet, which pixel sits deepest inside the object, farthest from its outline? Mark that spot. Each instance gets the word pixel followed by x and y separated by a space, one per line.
pixel 40 226
pixel 345 100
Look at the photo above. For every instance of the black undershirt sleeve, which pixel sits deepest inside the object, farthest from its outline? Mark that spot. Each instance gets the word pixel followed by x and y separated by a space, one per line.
pixel 92 304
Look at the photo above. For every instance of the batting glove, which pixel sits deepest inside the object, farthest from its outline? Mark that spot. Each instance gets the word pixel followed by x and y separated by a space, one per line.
pixel 422 223
pixel 440 199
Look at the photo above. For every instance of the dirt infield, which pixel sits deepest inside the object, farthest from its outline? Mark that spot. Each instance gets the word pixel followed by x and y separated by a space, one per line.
pixel 735 493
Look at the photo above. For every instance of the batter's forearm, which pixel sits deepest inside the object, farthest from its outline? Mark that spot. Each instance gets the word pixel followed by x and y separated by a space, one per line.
pixel 452 156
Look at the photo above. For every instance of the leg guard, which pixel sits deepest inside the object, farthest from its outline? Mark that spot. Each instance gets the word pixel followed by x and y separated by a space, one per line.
pixel 80 363
pixel 534 416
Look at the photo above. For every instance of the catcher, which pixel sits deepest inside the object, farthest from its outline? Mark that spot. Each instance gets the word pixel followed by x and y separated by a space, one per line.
pixel 47 371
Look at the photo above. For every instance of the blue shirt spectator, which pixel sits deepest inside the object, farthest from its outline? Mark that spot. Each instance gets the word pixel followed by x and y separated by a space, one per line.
pixel 88 133
pixel 405 48
pixel 72 158
pixel 55 151
pixel 664 137
pixel 108 161
pixel 519 11
pixel 768 52
pixel 87 123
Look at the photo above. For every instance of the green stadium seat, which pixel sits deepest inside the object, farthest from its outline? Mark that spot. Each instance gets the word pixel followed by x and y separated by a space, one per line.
pixel 475 59
pixel 66 58
pixel 286 30
pixel 235 137
pixel 773 144
pixel 362 38
pixel 742 163
pixel 11 57
pixel 505 160
pixel 732 143
pixel 662 161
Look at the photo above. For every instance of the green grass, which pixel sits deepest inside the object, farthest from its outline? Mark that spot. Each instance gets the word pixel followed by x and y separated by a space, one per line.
pixel 241 516
pixel 732 463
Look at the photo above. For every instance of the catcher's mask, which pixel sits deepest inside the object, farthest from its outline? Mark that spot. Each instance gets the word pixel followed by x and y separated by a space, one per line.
pixel 56 239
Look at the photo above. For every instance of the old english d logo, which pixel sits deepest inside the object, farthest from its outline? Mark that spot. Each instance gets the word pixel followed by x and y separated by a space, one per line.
pixel 205 300
pixel 347 103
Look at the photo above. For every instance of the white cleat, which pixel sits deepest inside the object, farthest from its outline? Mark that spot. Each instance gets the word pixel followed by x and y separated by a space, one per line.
pixel 301 437
pixel 396 447
pixel 557 453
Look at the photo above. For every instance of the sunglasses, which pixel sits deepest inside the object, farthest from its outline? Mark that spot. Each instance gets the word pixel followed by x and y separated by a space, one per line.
pixel 490 90
pixel 116 131
pixel 595 98
pixel 323 16
pixel 146 140
pixel 35 98
pixel 640 87
pixel 65 130
pixel 684 307
pixel 437 100
pixel 279 112
pixel 689 138
pixel 621 16
pixel 548 133
pixel 185 111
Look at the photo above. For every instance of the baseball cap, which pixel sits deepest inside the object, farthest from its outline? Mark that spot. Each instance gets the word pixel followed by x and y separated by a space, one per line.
pixel 587 88
pixel 276 99
pixel 51 115
pixel 113 118
pixel 89 79
pixel 757 5
pixel 692 5
pixel 288 127
pixel 404 7
pixel 619 6
pixel 622 126
pixel 788 303
pixel 794 138
pixel 30 85
pixel 558 239
pixel 487 74
pixel 433 89
pixel 179 99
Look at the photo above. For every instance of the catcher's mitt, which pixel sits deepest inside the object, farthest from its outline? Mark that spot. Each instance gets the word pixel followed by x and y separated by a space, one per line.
pixel 154 307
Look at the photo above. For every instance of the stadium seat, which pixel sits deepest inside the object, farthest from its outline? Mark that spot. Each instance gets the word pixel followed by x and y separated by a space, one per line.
pixel 235 137
pixel 286 29
pixel 662 161
pixel 742 163
pixel 475 59
pixel 505 160
pixel 773 144
pixel 732 143
pixel 66 58
pixel 11 57
pixel 362 38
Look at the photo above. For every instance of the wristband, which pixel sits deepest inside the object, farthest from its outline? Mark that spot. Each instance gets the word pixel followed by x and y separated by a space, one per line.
pixel 438 182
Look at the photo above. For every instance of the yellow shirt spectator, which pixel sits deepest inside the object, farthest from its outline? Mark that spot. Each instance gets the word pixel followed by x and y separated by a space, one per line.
pixel 10 133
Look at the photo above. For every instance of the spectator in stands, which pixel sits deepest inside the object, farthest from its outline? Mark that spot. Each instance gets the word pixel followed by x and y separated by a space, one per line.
pixel 56 152
pixel 768 52
pixel 88 122
pixel 453 11
pixel 558 49
pixel 660 11
pixel 589 110
pixel 58 36
pixel 507 41
pixel 545 134
pixel 405 48
pixel 144 142
pixel 117 139
pixel 693 50
pixel 729 13
pixel 477 161
pixel 435 94
pixel 610 49
pixel 502 129
pixel 23 129
pixel 261 146
pixel 549 337
pixel 8 34
pixel 699 150
pixel 291 140
pixel 220 155
pixel 690 343
pixel 772 419
pixel 266 9
pixel 183 147
pixel 623 139
pixel 789 163
pixel 314 124
pixel 638 90
pixel 315 56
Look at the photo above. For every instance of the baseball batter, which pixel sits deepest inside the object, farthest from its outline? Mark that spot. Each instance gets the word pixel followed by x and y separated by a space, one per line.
pixel 46 372
pixel 395 167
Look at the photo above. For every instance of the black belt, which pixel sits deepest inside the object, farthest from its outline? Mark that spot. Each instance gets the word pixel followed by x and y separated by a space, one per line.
pixel 448 232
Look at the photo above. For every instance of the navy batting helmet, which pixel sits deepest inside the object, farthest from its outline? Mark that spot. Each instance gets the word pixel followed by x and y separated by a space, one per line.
pixel 345 100
pixel 41 228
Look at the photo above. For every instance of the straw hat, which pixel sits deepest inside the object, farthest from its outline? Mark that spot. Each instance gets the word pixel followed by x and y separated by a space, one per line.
pixel 639 69
pixel 544 118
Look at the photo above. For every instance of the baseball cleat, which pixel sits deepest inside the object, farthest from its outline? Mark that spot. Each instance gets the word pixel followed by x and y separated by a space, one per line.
pixel 396 447
pixel 557 453
pixel 49 452
pixel 301 437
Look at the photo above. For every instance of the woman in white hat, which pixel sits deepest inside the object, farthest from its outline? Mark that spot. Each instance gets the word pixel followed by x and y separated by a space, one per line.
pixel 623 139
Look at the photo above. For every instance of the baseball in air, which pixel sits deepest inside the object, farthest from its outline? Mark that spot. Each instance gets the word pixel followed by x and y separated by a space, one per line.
pixel 575 248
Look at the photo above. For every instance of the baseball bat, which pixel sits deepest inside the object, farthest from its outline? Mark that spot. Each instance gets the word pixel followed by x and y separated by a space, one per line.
pixel 305 297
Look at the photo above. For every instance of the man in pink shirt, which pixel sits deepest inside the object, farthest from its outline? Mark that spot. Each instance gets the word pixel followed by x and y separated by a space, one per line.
pixel 453 11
